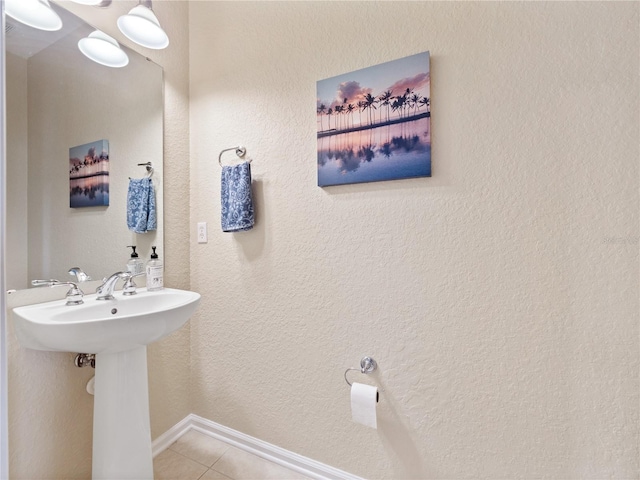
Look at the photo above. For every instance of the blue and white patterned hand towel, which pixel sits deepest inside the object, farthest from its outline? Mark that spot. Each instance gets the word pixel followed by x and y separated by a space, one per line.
pixel 141 205
pixel 237 203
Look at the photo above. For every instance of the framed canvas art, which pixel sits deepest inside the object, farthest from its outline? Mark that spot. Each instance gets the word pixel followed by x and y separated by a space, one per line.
pixel 374 124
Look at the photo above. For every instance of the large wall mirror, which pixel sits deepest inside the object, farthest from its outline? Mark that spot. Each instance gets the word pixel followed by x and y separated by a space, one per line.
pixel 58 99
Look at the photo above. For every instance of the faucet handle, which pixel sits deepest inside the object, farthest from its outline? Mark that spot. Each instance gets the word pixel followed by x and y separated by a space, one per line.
pixel 129 287
pixel 79 274
pixel 74 295
pixel 45 283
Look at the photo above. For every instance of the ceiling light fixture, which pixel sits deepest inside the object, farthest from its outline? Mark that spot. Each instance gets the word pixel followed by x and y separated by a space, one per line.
pixel 142 26
pixel 34 13
pixel 103 49
pixel 94 3
pixel 87 2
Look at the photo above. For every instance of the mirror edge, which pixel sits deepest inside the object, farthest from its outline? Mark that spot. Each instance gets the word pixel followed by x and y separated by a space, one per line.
pixel 4 384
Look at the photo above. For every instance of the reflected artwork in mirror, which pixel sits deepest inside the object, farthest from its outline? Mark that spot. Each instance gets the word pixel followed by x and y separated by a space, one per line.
pixel 58 98
pixel 89 175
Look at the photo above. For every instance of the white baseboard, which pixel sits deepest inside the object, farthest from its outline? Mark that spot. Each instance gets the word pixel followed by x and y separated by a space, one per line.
pixel 163 442
pixel 287 459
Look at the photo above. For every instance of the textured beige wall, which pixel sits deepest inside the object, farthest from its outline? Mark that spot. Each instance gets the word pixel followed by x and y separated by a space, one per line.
pixel 50 411
pixel 500 296
pixel 16 95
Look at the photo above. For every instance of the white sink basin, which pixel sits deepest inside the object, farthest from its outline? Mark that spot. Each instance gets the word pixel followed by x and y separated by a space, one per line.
pixel 118 332
pixel 104 326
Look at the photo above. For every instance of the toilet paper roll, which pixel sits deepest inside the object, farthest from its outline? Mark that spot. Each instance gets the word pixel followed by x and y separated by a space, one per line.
pixel 363 404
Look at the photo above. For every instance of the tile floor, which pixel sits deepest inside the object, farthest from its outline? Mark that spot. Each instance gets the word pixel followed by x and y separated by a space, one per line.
pixel 196 456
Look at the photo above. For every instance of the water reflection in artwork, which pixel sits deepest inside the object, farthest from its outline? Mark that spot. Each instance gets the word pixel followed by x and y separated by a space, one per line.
pixel 383 153
pixel 89 192
pixel 375 124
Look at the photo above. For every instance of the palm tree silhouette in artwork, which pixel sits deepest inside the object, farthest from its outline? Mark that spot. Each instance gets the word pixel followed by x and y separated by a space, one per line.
pixel 321 110
pixel 425 102
pixel 338 109
pixel 360 106
pixel 369 103
pixel 385 100
pixel 367 152
pixel 385 150
pixel 394 109
pixel 350 109
pixel 407 101
pixel 398 105
pixel 344 110
pixel 414 99
pixel 403 103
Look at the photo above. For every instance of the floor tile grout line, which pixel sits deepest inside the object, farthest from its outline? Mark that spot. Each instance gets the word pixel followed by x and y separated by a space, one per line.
pixel 252 455
pixel 227 450
pixel 205 472
pixel 198 462
pixel 189 458
pixel 218 471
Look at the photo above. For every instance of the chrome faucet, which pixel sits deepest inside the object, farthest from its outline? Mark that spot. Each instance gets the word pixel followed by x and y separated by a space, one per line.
pixel 74 295
pixel 105 291
pixel 79 274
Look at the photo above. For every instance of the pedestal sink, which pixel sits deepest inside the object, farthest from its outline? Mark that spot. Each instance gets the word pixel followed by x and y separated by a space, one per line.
pixel 118 332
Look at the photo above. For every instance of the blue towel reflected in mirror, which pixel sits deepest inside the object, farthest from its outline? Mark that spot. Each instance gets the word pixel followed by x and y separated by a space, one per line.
pixel 141 205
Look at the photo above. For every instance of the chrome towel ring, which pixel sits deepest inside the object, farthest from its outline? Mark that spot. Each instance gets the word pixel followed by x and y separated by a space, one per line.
pixel 240 152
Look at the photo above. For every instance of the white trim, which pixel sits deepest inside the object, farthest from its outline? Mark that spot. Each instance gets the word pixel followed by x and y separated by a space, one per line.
pixel 163 442
pixel 4 382
pixel 287 459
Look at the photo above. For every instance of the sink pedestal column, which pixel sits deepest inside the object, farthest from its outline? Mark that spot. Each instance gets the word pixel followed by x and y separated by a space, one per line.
pixel 121 427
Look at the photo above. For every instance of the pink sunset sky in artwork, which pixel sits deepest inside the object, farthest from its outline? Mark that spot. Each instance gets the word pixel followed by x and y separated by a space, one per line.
pixel 398 75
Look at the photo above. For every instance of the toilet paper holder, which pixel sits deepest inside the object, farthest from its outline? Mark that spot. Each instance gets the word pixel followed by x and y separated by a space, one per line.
pixel 367 365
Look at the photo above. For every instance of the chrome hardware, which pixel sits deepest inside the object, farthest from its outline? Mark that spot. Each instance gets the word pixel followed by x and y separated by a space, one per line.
pixel 149 167
pixel 44 283
pixel 74 295
pixel 367 365
pixel 85 360
pixel 240 152
pixel 105 291
pixel 79 274
pixel 129 287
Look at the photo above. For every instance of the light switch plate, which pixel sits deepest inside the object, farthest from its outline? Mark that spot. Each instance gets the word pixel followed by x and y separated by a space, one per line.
pixel 202 232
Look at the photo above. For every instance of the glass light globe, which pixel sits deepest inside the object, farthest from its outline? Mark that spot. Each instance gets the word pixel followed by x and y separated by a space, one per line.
pixel 103 49
pixel 34 13
pixel 88 2
pixel 142 26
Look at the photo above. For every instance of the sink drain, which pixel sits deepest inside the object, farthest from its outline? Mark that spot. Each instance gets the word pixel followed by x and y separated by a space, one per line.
pixel 114 311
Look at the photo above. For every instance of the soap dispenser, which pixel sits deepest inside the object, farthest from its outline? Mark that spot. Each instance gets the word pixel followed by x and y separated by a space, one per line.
pixel 135 266
pixel 155 272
